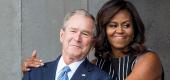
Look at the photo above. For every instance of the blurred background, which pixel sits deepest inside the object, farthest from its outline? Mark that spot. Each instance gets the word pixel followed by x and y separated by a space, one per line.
pixel 26 25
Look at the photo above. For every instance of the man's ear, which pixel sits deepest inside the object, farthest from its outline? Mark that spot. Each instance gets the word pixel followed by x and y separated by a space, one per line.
pixel 61 34
pixel 93 41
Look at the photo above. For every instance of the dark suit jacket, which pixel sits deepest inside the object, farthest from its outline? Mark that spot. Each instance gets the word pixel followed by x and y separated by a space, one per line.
pixel 86 71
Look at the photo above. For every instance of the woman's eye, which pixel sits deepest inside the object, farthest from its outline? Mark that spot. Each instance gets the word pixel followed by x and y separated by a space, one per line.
pixel 126 25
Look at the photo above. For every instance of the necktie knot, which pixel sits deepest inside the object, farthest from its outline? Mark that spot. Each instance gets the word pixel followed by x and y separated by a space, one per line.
pixel 63 75
pixel 66 69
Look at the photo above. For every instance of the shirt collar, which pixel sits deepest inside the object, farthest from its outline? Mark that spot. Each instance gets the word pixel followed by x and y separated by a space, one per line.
pixel 73 66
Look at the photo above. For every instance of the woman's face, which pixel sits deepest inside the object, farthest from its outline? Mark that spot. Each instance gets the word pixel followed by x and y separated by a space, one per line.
pixel 120 30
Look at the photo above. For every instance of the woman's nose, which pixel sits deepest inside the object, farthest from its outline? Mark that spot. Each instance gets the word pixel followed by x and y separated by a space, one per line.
pixel 119 30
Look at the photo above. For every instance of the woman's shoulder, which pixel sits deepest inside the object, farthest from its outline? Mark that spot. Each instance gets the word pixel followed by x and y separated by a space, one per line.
pixel 148 57
pixel 148 66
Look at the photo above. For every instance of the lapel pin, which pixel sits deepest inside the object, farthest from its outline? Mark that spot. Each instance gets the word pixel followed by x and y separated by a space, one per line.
pixel 83 74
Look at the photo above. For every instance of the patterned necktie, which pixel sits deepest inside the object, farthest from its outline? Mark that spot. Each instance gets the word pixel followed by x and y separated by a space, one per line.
pixel 63 75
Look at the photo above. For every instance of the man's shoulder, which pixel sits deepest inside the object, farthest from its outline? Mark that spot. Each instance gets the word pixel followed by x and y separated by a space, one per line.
pixel 47 69
pixel 96 72
pixel 99 74
pixel 39 69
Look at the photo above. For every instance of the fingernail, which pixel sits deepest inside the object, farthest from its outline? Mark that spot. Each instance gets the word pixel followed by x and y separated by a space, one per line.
pixel 37 65
pixel 28 69
pixel 42 64
pixel 40 60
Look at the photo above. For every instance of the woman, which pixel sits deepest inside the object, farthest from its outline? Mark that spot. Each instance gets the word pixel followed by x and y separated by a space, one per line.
pixel 119 48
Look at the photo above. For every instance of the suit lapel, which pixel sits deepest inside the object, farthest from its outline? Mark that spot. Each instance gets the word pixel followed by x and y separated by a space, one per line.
pixel 82 71
pixel 49 71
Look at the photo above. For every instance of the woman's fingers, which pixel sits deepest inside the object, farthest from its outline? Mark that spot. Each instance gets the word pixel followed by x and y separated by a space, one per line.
pixel 32 62
pixel 34 54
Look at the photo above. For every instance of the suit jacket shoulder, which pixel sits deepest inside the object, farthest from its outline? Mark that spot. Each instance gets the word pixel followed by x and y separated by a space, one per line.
pixel 46 72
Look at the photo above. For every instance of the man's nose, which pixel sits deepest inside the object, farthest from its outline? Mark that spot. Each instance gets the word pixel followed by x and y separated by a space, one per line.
pixel 77 36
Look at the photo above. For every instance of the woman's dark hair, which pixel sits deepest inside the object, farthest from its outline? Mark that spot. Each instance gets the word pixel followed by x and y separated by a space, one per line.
pixel 104 16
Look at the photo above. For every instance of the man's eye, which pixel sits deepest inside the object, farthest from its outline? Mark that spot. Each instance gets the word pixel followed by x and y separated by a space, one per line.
pixel 73 31
pixel 86 34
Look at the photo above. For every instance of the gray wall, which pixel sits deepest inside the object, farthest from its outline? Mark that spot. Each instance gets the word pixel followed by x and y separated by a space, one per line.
pixel 41 21
pixel 34 24
pixel 10 39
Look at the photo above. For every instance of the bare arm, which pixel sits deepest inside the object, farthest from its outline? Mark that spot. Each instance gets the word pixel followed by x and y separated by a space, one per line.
pixel 31 62
pixel 148 67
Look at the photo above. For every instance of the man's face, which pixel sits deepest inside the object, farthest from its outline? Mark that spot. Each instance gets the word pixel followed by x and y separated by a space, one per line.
pixel 77 37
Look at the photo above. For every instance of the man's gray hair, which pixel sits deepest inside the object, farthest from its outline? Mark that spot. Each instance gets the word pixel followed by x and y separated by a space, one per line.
pixel 80 12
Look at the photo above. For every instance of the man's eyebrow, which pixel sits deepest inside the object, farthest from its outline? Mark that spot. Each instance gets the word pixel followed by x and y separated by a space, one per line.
pixel 72 28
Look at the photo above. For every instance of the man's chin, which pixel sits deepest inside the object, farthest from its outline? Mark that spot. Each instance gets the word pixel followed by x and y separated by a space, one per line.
pixel 76 56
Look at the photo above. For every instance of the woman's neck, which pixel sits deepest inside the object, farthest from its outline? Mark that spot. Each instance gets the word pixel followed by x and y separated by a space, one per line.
pixel 119 52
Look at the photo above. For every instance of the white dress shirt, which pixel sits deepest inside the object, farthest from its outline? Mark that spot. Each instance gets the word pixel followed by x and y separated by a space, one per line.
pixel 61 65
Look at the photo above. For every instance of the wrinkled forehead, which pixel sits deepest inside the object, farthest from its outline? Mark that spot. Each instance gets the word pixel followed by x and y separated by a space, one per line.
pixel 77 18
pixel 80 22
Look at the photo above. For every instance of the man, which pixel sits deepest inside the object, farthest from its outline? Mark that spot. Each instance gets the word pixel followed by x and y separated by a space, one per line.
pixel 76 37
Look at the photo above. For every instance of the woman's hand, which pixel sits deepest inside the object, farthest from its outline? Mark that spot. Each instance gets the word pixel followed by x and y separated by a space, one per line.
pixel 32 62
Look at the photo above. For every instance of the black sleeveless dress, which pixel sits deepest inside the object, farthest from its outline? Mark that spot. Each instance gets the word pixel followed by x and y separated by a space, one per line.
pixel 118 68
